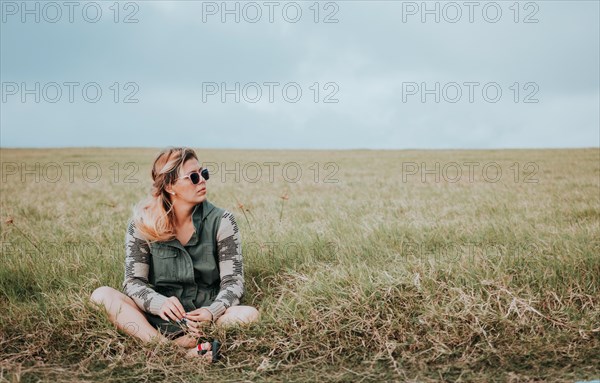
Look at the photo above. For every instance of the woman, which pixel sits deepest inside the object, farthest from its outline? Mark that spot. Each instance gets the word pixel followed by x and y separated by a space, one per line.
pixel 183 264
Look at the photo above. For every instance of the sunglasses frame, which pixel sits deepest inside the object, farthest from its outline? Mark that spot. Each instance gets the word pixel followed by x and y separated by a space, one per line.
pixel 202 173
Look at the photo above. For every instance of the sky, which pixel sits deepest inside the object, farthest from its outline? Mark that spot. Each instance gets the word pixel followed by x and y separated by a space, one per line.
pixel 300 75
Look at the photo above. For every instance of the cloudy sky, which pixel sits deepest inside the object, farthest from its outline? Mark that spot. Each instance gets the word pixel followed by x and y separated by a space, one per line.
pixel 306 74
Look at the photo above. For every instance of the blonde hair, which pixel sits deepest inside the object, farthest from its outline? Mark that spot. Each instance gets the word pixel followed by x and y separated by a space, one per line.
pixel 154 216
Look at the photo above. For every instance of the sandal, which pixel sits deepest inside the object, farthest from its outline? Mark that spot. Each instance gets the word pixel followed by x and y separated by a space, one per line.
pixel 215 348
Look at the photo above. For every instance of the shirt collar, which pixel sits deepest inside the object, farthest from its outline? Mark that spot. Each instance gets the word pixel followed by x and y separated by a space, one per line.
pixel 199 214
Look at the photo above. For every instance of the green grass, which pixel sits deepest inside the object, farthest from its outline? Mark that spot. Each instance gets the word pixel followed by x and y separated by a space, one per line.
pixel 370 278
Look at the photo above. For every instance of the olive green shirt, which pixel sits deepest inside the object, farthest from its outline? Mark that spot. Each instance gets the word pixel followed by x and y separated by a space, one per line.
pixel 206 272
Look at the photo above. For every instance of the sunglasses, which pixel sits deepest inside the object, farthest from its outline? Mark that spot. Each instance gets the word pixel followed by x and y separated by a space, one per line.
pixel 195 176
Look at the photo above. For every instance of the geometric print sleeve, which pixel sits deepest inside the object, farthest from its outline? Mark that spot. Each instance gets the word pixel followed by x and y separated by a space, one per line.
pixel 137 268
pixel 231 270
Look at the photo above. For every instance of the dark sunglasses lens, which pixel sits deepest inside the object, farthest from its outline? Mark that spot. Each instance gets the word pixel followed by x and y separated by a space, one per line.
pixel 195 178
pixel 204 173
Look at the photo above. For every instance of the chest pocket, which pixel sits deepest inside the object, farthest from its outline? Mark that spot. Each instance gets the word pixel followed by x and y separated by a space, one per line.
pixel 165 265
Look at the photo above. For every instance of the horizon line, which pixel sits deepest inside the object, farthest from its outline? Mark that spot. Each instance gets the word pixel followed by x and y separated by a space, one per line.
pixel 294 149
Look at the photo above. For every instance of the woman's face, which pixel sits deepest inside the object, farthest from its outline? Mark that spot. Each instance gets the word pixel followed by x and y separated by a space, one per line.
pixel 184 189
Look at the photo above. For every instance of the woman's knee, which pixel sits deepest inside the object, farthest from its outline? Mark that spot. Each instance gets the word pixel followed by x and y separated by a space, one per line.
pixel 250 314
pixel 239 314
pixel 102 294
pixel 107 295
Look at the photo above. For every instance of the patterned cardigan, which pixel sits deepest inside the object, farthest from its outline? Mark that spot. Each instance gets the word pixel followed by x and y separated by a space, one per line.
pixel 137 268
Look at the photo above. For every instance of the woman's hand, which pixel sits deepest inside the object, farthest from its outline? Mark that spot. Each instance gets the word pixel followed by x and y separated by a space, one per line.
pixel 197 319
pixel 199 315
pixel 172 310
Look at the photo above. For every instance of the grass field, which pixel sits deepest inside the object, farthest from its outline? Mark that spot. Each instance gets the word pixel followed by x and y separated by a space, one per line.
pixel 361 271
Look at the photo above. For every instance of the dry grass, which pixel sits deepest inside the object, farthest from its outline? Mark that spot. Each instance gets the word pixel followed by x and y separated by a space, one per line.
pixel 367 279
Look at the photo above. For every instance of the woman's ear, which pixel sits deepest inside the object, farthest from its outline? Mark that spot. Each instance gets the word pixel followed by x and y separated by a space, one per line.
pixel 169 190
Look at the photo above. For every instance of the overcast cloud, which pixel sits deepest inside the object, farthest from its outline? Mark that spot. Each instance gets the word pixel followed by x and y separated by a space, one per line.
pixel 370 67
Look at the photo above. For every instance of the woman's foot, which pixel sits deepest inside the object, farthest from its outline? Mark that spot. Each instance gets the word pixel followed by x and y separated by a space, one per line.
pixel 206 356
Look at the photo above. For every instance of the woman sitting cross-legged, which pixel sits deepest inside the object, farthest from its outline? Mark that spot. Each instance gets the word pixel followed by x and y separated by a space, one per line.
pixel 183 260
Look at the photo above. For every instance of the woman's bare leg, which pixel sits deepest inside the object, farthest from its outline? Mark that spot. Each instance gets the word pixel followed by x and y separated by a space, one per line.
pixel 124 313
